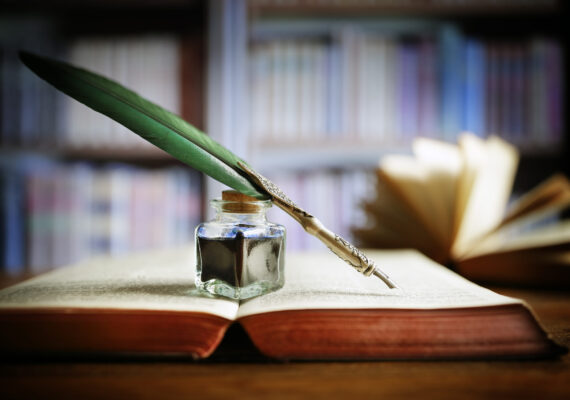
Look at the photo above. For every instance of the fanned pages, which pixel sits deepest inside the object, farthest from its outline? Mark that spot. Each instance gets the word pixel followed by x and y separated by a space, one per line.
pixel 489 169
pixel 152 122
pixel 450 202
pixel 551 196
pixel 427 186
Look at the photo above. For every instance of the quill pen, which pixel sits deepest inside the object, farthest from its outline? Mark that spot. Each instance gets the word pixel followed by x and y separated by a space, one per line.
pixel 186 143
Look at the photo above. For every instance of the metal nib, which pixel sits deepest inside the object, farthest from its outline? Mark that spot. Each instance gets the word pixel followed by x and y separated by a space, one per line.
pixel 385 278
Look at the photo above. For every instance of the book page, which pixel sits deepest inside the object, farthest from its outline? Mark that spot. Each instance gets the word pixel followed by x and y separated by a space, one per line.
pixel 445 163
pixel 550 197
pixel 554 235
pixel 485 186
pixel 390 224
pixel 158 280
pixel 320 280
pixel 425 186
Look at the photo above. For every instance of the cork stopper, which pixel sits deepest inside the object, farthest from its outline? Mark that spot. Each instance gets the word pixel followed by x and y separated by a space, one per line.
pixel 234 195
pixel 236 202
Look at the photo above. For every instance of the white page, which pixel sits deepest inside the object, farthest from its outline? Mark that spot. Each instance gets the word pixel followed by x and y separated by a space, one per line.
pixel 158 280
pixel 320 280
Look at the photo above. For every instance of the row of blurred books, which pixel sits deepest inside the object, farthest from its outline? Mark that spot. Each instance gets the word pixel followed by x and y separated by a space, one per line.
pixel 354 84
pixel 55 213
pixel 36 115
pixel 362 85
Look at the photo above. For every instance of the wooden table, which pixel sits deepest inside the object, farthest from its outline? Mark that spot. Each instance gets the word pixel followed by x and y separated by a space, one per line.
pixel 237 372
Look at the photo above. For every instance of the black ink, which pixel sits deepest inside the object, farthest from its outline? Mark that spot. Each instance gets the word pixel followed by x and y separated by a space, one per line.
pixel 240 261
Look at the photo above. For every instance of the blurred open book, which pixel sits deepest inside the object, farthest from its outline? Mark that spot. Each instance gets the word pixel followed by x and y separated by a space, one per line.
pixel 451 202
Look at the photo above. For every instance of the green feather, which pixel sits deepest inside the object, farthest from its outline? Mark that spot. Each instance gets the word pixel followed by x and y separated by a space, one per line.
pixel 150 121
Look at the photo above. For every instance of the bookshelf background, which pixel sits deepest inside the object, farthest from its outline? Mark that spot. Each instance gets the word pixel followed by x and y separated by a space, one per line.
pixel 312 93
pixel 76 184
pixel 335 85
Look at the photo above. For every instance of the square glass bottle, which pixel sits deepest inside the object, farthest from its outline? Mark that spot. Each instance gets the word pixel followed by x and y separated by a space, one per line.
pixel 240 254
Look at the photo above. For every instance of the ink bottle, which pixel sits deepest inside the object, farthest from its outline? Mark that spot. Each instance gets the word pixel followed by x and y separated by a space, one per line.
pixel 240 254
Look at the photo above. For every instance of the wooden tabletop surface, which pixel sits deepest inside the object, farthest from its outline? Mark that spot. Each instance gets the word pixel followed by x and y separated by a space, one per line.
pixel 237 372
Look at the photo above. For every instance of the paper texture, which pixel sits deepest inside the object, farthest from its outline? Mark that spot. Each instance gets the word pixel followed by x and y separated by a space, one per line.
pixel 323 281
pixel 164 280
pixel 161 280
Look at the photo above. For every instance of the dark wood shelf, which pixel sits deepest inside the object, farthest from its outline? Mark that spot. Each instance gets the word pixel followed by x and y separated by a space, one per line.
pixel 99 154
pixel 106 17
pixel 423 8
pixel 88 5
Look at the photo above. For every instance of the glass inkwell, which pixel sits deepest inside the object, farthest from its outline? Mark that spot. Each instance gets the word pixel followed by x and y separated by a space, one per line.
pixel 240 254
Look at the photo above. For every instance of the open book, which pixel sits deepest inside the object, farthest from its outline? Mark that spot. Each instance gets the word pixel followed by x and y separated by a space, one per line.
pixel 451 203
pixel 148 303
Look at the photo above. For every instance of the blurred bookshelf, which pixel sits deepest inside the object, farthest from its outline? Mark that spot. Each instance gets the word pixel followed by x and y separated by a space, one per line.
pixel 332 86
pixel 74 183
pixel 311 92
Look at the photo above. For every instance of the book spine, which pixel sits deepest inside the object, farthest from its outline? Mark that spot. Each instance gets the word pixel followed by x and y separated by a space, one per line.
pixel 259 90
pixel 12 217
pixel 288 71
pixel 303 81
pixel 120 192
pixel 11 95
pixel 350 60
pixel 41 222
pixel 555 97
pixel 334 89
pixel 409 108
pixel 474 94
pixel 80 178
pixel 518 95
pixel 451 46
pixel 492 86
pixel 139 211
pixel 377 86
pixel 320 90
pixel 99 213
pixel 392 126
pixel 505 91
pixel 428 89
pixel 276 91
pixel 362 92
pixel 60 217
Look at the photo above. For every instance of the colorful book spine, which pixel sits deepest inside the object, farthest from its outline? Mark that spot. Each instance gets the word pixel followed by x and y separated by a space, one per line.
pixel 451 70
pixel 409 87
pixel 428 89
pixel 11 214
pixel 518 95
pixel 474 93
